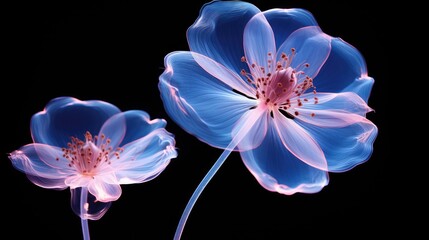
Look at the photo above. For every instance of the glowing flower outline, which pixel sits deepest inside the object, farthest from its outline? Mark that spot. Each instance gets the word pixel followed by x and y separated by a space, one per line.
pixel 128 148
pixel 249 83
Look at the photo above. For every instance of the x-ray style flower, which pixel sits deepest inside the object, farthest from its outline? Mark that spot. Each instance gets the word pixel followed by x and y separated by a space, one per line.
pixel 92 148
pixel 273 86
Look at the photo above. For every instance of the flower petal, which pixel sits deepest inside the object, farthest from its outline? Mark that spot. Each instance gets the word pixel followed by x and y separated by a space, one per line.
pixel 344 71
pixel 145 158
pixel 218 32
pixel 334 110
pixel 96 209
pixel 344 147
pixel 299 142
pixel 277 169
pixel 200 103
pixel 128 126
pixel 312 46
pixel 39 162
pixel 105 187
pixel 285 21
pixel 223 74
pixel 67 117
pixel 251 128
pixel 77 181
pixel 259 45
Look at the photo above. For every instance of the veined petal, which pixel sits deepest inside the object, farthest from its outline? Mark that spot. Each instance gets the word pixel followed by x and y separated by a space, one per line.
pixel 285 21
pixel 96 209
pixel 39 162
pixel 200 103
pixel 67 117
pixel 259 45
pixel 277 169
pixel 145 158
pixel 344 146
pixel 311 46
pixel 344 71
pixel 128 126
pixel 339 126
pixel 223 74
pixel 333 109
pixel 253 127
pixel 77 181
pixel 299 142
pixel 218 32
pixel 105 187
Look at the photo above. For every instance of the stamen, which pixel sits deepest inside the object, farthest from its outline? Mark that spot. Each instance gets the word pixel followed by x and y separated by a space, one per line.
pixel 279 83
pixel 86 156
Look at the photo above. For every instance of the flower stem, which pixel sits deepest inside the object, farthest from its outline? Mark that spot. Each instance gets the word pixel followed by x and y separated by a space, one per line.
pixel 83 219
pixel 243 127
pixel 198 191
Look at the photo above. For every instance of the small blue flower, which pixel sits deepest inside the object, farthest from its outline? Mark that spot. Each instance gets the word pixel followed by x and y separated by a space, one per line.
pixel 271 85
pixel 92 147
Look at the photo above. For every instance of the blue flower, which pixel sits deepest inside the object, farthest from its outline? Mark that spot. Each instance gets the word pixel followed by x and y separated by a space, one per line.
pixel 92 147
pixel 271 85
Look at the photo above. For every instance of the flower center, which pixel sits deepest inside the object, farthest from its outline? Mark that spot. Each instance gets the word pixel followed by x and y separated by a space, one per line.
pixel 89 155
pixel 280 86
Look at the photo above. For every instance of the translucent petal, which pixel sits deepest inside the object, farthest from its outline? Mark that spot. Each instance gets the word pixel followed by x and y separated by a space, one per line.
pixel 259 45
pixel 105 187
pixel 276 169
pixel 299 142
pixel 145 158
pixel 218 32
pixel 312 46
pixel 128 126
pixel 96 209
pixel 39 162
pixel 223 74
pixel 344 146
pixel 285 21
pixel 113 129
pixel 334 110
pixel 253 126
pixel 344 70
pixel 77 181
pixel 200 103
pixel 67 117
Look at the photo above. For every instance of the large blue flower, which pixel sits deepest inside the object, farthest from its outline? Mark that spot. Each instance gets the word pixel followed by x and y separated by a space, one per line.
pixel 271 85
pixel 92 147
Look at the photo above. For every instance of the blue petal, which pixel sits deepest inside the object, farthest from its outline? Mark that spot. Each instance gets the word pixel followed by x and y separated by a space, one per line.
pixel 218 32
pixel 259 45
pixel 224 74
pixel 346 146
pixel 67 117
pixel 200 103
pixel 96 209
pixel 344 70
pixel 44 165
pixel 286 21
pixel 299 142
pixel 128 126
pixel 276 169
pixel 250 129
pixel 311 46
pixel 343 102
pixel 145 158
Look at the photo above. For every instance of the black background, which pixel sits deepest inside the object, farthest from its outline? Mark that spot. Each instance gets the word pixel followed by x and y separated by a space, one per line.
pixel 114 52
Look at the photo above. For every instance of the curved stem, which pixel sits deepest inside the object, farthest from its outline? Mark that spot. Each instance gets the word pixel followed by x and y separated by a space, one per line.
pixel 243 126
pixel 198 191
pixel 83 210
